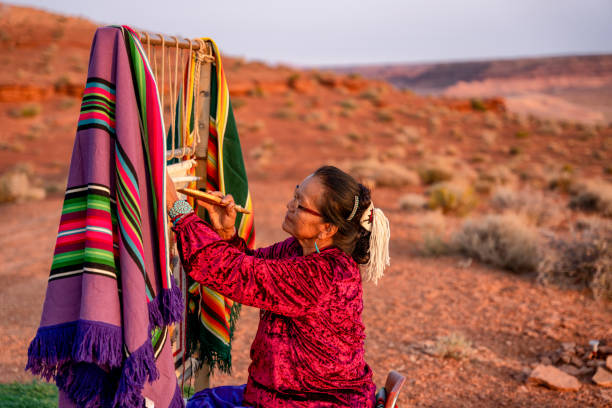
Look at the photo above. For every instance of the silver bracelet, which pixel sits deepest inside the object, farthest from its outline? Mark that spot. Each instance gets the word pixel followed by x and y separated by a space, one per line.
pixel 179 207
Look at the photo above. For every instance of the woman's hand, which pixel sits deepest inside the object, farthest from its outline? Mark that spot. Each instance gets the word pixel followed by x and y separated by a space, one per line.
pixel 222 217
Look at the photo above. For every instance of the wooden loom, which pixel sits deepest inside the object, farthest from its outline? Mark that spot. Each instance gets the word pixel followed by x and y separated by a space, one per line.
pixel 168 57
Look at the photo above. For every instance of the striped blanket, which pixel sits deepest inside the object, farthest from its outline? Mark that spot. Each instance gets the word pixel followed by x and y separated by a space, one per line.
pixel 103 334
pixel 211 317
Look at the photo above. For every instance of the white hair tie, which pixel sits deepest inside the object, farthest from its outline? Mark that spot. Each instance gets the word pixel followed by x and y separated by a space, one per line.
pixel 375 221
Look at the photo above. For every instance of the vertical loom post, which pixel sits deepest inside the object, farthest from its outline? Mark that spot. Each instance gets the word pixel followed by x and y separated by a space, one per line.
pixel 202 376
pixel 203 123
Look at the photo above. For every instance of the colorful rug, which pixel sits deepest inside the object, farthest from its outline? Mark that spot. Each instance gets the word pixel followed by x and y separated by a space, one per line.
pixel 103 335
pixel 211 318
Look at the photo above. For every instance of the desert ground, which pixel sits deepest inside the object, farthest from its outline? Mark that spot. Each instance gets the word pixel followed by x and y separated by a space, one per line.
pixel 500 221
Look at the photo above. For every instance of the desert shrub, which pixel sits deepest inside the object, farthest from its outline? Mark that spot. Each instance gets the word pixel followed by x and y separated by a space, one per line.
pixel 455 345
pixel 492 121
pixel 451 198
pixel 238 103
pixel 257 126
pixel 433 124
pixel 258 92
pixel 497 175
pixel 592 196
pixel 412 202
pixel 478 105
pixel 348 104
pixel 584 260
pixel 314 116
pixel 355 137
pixel 384 116
pixel 514 151
pixel 435 171
pixel 504 240
pixel 562 181
pixel 489 137
pixel 285 113
pixel 327 126
pixel 394 152
pixel 434 234
pixel 28 111
pixel 409 133
pixel 383 174
pixel 521 134
pixel 16 184
pixel 370 94
pixel 551 128
pixel 531 204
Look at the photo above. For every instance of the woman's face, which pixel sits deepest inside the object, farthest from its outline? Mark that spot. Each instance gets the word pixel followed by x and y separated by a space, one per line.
pixel 300 220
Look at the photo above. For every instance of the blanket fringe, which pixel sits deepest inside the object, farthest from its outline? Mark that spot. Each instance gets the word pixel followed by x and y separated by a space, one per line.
pixel 138 368
pixel 167 307
pixel 87 385
pixel 79 341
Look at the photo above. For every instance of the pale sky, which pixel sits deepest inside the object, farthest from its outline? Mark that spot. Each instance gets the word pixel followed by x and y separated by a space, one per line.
pixel 339 32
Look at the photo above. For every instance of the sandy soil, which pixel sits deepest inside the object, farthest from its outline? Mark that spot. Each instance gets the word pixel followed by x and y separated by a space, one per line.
pixel 510 320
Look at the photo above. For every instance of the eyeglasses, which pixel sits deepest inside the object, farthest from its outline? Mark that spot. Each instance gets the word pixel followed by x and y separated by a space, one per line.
pixel 301 207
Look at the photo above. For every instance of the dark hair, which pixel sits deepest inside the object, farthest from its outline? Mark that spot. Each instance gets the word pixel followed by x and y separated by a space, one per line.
pixel 336 205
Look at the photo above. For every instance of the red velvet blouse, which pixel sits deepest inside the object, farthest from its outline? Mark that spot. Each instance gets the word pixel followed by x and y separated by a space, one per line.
pixel 309 347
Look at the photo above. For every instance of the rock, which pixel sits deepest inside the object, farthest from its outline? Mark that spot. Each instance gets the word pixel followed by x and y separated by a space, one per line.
pixel 570 369
pixel 605 349
pixel 609 363
pixel 595 363
pixel 545 361
pixel 603 377
pixel 566 357
pixel 554 378
pixel 568 346
pixel 585 370
pixel 577 361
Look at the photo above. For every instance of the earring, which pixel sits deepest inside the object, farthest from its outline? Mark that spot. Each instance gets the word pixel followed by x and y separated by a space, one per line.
pixel 317 247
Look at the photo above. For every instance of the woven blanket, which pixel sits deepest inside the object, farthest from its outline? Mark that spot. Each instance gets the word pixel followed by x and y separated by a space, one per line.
pixel 103 334
pixel 211 317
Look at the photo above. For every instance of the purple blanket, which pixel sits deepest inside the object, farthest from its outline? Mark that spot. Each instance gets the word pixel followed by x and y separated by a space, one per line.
pixel 103 334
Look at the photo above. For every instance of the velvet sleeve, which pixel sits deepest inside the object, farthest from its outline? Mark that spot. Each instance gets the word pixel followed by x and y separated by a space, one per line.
pixel 291 286
pixel 278 250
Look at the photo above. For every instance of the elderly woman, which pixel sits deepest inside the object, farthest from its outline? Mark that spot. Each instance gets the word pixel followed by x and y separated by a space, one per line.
pixel 309 347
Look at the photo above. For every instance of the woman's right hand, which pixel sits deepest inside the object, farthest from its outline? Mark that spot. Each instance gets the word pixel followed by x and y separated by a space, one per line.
pixel 222 217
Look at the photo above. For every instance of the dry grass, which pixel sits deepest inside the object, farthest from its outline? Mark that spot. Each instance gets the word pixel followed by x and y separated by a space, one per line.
pixel 435 170
pixel 583 260
pixel 434 232
pixel 412 202
pixel 455 345
pixel 592 196
pixel 507 241
pixel 455 198
pixel 27 111
pixel 533 205
pixel 285 113
pixel 383 174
